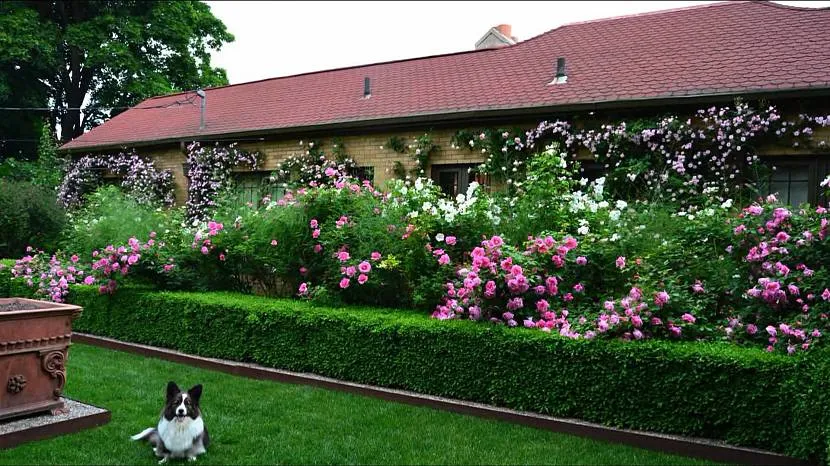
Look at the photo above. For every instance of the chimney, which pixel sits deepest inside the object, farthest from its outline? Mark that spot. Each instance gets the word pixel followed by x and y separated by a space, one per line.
pixel 497 36
pixel 505 30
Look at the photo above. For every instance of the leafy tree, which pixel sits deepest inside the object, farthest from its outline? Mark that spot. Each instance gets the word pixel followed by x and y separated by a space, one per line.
pixel 106 55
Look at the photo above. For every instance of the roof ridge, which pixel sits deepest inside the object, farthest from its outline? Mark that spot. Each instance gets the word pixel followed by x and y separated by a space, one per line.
pixel 400 60
pixel 498 49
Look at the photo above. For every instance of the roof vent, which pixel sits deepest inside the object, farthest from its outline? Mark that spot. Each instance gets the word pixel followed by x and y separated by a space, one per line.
pixel 561 76
pixel 367 88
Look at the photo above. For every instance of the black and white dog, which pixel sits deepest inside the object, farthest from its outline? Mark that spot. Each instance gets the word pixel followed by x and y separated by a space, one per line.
pixel 181 431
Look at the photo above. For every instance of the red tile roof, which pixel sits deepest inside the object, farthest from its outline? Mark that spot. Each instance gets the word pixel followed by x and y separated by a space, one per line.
pixel 721 48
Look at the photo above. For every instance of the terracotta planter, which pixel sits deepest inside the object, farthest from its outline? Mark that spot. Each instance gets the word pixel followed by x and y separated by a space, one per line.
pixel 34 341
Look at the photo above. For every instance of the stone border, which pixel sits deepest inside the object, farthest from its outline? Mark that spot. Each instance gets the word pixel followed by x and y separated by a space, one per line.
pixel 28 429
pixel 694 447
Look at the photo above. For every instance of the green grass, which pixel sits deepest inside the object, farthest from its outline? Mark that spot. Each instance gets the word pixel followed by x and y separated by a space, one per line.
pixel 256 422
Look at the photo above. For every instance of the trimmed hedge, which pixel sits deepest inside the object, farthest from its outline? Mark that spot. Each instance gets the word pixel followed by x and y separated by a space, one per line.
pixel 743 396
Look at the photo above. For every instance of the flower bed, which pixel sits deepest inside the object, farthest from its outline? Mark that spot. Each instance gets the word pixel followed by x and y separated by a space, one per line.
pixel 743 396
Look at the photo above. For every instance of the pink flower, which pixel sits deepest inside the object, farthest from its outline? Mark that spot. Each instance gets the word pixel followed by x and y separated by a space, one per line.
pixel 581 260
pixel 89 280
pixel 444 259
pixel 752 329
pixel 376 256
pixel 204 250
pixel 542 306
pixel 771 330
pixel 661 298
pixel 330 172
pixel 609 306
pixel 620 262
pixel 362 278
pixel 825 295
pixel 343 256
pixel 303 289
pixel 344 283
pixel 313 223
pixel 273 242
pixel 318 247
pixel 132 259
pixel 496 242
pixel 315 233
pixel 688 318
pixel 451 240
pixel 74 258
pixel 579 288
pixel 697 287
pixel 221 257
pixel 350 271
pixel 364 267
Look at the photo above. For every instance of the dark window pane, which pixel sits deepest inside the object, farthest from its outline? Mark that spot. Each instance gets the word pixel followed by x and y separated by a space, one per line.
pixel 799 193
pixel 448 180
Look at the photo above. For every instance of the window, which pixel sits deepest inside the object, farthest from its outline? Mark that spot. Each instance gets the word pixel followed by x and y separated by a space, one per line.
pixel 251 187
pixel 795 180
pixel 453 179
pixel 364 173
pixel 591 170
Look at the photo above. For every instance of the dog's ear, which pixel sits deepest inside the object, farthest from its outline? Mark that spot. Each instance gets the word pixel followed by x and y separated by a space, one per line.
pixel 195 393
pixel 172 390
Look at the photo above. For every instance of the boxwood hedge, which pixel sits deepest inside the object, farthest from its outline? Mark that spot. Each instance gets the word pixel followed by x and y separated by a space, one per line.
pixel 743 396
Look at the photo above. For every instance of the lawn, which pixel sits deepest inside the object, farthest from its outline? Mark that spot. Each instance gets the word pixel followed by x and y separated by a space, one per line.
pixel 256 422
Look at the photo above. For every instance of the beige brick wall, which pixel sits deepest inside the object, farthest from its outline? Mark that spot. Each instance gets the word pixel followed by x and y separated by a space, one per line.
pixel 371 149
pixel 366 150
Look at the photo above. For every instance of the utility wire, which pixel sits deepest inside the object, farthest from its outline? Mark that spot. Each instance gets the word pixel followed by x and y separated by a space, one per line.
pixel 177 103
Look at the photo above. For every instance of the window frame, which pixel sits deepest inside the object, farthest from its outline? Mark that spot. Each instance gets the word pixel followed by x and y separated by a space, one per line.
pixel 461 169
pixel 817 169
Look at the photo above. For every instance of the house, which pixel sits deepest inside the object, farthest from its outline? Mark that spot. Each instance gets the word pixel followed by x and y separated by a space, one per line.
pixel 674 60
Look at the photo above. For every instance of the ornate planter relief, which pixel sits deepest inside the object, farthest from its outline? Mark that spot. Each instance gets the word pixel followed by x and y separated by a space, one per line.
pixel 34 341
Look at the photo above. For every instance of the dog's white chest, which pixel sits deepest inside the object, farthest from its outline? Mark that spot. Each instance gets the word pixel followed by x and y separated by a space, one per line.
pixel 178 435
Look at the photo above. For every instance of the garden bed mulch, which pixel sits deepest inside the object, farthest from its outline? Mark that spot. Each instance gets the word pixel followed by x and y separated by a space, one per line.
pixel 707 449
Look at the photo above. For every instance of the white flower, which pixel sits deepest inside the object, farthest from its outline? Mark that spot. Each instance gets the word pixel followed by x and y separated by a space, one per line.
pixel 583 181
pixel 726 204
pixel 439 237
pixel 614 215
pixel 621 205
pixel 583 230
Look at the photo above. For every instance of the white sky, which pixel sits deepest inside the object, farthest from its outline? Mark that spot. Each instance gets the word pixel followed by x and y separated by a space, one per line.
pixel 284 38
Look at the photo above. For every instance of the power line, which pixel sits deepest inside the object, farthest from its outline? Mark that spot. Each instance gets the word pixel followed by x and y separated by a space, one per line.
pixel 177 103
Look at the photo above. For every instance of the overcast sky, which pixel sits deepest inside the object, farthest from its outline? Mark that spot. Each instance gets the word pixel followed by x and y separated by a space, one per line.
pixel 284 38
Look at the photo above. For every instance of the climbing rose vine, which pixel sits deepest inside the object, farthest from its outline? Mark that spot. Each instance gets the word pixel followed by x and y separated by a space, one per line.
pixel 209 172
pixel 139 178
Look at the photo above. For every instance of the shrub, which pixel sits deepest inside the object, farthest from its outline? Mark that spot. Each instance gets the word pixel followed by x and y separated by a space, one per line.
pixel 111 216
pixel 742 396
pixel 29 216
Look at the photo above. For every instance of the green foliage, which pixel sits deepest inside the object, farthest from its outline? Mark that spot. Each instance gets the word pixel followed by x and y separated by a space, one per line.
pixel 29 216
pixel 114 53
pixel 421 149
pixel 713 390
pixel 47 170
pixel 112 217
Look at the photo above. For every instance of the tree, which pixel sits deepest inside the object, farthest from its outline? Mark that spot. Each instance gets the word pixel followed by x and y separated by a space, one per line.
pixel 107 55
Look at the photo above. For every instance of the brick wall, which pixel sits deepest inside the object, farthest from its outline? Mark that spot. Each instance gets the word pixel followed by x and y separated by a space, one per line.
pixel 367 150
pixel 371 149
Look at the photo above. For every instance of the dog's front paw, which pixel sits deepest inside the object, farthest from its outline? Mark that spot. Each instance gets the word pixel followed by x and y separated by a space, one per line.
pixel 191 458
pixel 163 460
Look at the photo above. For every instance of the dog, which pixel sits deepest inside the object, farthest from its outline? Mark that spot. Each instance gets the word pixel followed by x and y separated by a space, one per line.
pixel 181 431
